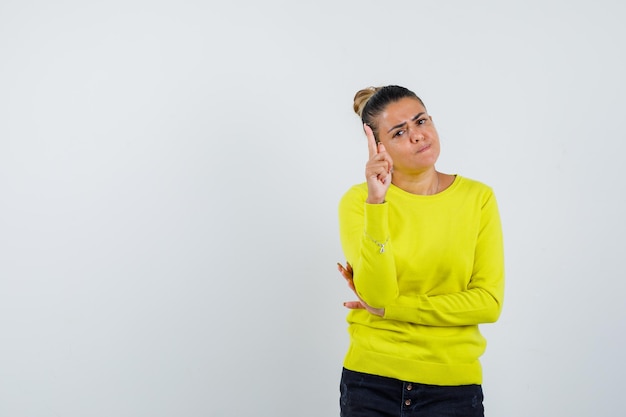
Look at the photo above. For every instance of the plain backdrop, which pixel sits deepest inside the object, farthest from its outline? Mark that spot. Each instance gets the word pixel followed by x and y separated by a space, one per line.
pixel 169 180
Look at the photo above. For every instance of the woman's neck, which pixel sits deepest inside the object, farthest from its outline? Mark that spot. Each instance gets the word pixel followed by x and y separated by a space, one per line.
pixel 424 183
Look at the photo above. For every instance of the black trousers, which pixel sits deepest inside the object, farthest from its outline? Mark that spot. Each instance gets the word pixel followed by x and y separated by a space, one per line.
pixel 365 395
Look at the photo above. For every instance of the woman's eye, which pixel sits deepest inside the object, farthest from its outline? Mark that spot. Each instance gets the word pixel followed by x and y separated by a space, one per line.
pixel 398 133
pixel 421 121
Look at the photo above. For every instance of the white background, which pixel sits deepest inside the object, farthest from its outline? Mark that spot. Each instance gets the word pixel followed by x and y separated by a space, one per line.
pixel 169 180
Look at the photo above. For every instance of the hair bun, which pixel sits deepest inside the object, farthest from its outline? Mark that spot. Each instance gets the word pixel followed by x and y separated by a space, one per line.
pixel 361 98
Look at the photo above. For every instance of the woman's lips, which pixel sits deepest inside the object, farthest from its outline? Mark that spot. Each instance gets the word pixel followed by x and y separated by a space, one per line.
pixel 423 148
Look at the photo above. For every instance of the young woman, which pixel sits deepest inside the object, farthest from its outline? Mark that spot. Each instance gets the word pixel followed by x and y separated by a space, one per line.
pixel 424 257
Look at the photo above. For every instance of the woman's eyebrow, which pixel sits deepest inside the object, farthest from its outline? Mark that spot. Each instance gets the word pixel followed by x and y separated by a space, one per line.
pixel 417 116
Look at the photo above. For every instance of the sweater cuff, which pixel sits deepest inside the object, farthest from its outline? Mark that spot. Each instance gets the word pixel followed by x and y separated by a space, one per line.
pixel 404 308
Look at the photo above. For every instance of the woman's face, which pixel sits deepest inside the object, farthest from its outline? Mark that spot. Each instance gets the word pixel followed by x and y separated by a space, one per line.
pixel 409 136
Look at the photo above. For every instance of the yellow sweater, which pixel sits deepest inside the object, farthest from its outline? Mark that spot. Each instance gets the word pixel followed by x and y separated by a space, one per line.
pixel 441 274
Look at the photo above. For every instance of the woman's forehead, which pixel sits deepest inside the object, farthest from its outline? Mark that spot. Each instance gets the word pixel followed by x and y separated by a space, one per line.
pixel 402 110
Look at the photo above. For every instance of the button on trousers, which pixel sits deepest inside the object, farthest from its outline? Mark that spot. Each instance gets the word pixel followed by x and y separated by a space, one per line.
pixel 365 395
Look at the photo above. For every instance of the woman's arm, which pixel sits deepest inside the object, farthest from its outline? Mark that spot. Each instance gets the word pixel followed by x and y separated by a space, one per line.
pixel 364 233
pixel 481 301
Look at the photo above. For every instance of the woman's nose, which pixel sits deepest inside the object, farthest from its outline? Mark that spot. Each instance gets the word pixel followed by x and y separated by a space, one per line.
pixel 415 136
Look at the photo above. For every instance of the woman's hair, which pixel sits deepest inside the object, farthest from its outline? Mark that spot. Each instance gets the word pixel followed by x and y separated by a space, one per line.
pixel 370 102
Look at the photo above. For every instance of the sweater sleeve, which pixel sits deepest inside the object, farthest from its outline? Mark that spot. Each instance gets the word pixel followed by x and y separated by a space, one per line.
pixel 364 233
pixel 481 301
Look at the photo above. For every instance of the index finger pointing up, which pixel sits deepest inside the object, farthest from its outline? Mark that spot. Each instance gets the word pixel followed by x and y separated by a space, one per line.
pixel 371 141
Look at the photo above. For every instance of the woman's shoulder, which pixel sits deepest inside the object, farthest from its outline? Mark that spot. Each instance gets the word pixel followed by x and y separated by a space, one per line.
pixel 472 189
pixel 472 184
pixel 357 190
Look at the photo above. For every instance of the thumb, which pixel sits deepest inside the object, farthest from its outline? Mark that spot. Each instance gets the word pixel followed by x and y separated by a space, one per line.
pixel 352 305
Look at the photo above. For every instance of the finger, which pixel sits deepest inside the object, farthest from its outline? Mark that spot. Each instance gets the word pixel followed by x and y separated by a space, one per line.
pixel 347 276
pixel 343 271
pixel 378 169
pixel 350 282
pixel 371 140
pixel 387 158
pixel 346 273
pixel 352 305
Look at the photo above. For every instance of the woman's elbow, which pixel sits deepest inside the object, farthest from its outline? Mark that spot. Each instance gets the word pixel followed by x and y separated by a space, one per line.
pixel 492 314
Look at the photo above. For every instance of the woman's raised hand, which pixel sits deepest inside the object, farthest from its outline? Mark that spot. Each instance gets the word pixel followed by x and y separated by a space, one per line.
pixel 377 170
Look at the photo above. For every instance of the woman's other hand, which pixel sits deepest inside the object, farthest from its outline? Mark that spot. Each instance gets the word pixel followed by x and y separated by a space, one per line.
pixel 347 273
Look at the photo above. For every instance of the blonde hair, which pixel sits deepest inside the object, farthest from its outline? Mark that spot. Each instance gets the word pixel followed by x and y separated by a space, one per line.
pixel 361 98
